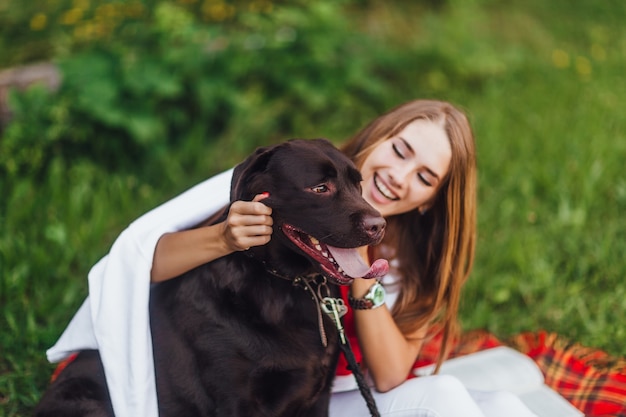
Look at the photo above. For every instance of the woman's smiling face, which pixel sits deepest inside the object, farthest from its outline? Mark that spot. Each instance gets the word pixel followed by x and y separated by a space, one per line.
pixel 405 171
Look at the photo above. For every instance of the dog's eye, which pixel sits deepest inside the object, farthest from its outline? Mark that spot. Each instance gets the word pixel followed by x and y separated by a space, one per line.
pixel 322 188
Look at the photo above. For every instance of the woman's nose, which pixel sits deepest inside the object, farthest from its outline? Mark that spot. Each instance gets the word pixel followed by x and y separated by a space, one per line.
pixel 398 177
pixel 393 180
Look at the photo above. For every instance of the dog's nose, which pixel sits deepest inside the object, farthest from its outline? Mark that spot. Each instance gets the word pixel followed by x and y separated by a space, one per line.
pixel 374 226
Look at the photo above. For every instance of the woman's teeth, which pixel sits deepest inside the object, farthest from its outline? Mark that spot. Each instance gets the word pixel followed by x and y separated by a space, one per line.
pixel 386 192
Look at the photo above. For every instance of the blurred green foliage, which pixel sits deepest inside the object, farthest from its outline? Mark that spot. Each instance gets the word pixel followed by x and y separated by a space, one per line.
pixel 54 28
pixel 162 78
pixel 172 80
pixel 157 95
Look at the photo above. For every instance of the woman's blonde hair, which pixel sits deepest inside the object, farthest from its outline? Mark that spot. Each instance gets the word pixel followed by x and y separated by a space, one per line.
pixel 435 249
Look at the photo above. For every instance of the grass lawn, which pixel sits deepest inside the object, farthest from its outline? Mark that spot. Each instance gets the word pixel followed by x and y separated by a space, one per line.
pixel 544 86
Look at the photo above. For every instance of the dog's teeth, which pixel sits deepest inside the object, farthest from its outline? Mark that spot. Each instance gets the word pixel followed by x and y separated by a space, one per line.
pixel 318 247
pixel 314 241
pixel 325 254
pixel 340 270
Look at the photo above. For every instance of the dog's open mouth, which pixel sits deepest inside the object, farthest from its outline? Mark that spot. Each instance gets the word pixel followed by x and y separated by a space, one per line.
pixel 340 264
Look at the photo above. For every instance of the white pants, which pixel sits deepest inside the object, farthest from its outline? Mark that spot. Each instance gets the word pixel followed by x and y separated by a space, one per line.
pixel 431 396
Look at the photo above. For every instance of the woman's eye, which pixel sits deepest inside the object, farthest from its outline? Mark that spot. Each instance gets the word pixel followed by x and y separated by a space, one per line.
pixel 397 151
pixel 423 179
pixel 322 188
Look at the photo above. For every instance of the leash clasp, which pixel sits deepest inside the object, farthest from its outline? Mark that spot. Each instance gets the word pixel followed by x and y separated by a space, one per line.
pixel 335 308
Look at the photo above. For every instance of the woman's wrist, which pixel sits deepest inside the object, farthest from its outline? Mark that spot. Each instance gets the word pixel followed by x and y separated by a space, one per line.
pixel 218 242
pixel 179 252
pixel 360 287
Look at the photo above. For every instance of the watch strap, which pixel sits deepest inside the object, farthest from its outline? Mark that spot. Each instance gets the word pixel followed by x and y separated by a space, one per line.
pixel 375 297
pixel 360 303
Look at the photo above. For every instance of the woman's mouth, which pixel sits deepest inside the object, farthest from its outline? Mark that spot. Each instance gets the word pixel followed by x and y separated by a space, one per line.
pixel 383 189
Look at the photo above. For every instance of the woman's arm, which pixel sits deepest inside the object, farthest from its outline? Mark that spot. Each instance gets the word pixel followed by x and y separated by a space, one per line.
pixel 388 354
pixel 249 223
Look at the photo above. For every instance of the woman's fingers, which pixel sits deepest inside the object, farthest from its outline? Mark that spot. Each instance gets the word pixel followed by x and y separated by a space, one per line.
pixel 249 223
pixel 237 219
pixel 251 241
pixel 250 208
pixel 261 196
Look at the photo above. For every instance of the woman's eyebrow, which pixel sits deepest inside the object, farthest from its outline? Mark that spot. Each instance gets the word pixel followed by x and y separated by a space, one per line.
pixel 412 151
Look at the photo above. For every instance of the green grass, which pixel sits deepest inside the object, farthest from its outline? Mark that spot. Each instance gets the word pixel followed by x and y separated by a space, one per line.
pixel 543 83
pixel 552 143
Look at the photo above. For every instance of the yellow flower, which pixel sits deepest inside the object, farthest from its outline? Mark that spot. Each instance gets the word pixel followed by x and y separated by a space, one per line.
pixel 81 4
pixel 560 58
pixel 39 21
pixel 72 16
pixel 107 11
pixel 583 66
pixel 85 32
pixel 218 10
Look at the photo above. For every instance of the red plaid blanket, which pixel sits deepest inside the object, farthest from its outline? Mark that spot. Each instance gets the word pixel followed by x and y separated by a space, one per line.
pixel 593 381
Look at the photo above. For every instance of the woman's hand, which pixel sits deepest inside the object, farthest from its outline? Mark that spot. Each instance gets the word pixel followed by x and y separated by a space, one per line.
pixel 249 223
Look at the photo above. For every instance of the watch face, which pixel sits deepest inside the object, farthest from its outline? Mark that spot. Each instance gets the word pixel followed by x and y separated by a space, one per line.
pixel 378 297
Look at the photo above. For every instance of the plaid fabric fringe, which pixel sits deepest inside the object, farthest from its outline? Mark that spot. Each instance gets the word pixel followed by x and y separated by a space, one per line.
pixel 593 381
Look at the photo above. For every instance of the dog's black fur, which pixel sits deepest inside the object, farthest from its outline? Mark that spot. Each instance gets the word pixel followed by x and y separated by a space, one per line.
pixel 230 337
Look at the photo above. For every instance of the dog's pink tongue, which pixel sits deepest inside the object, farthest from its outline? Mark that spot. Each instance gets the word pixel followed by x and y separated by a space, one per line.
pixel 354 266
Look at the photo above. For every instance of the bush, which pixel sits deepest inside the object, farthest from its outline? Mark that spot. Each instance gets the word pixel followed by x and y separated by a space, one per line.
pixel 171 82
pixel 168 80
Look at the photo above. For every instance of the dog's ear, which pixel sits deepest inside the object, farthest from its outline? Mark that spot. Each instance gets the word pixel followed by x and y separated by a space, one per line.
pixel 245 171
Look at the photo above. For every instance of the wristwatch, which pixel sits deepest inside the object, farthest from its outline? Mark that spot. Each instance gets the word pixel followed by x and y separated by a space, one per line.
pixel 374 298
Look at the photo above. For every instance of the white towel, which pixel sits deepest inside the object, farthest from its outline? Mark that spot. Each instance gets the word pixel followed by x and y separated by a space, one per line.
pixel 114 318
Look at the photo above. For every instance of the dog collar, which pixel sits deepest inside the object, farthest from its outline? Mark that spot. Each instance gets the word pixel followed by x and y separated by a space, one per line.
pixel 333 307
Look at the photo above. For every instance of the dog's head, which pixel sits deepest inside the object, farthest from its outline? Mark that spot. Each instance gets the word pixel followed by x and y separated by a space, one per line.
pixel 317 207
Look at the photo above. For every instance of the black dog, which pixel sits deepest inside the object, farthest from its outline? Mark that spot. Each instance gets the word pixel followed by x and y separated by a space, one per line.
pixel 243 335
